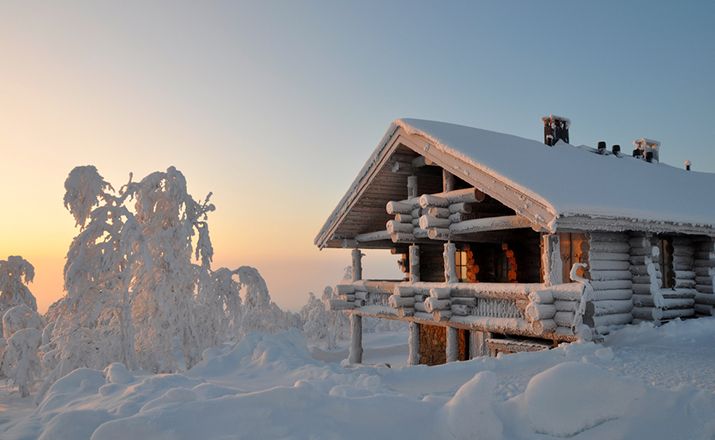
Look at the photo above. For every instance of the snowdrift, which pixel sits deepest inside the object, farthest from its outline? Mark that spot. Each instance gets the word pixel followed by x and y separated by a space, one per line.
pixel 644 382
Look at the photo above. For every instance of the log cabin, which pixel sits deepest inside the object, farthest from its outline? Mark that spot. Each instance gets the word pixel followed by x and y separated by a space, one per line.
pixel 510 244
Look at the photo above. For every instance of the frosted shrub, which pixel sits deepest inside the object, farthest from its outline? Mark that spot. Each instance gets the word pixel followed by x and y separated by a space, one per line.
pixel 18 318
pixel 15 274
pixel 20 361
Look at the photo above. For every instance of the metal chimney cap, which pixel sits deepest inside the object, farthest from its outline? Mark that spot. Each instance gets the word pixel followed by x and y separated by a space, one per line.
pixel 553 118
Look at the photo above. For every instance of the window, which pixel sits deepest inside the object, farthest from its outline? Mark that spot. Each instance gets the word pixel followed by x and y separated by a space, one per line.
pixel 467 267
pixel 462 265
pixel 574 249
pixel 665 245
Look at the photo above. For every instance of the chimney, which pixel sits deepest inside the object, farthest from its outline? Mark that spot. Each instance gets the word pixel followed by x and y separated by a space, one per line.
pixel 644 146
pixel 556 128
pixel 601 147
pixel 616 149
pixel 687 165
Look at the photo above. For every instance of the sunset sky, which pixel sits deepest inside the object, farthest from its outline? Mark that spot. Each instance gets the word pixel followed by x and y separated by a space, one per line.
pixel 274 106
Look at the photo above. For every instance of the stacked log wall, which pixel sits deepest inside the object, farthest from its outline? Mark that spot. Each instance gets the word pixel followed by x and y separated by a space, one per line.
pixel 679 301
pixel 652 301
pixel 704 269
pixel 553 308
pixel 610 272
pixel 646 278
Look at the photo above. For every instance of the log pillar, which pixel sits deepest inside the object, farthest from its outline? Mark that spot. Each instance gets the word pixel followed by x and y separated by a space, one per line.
pixel 450 264
pixel 478 344
pixel 412 187
pixel 452 344
pixel 551 260
pixel 413 342
pixel 414 263
pixel 357 264
pixel 447 181
pixel 355 356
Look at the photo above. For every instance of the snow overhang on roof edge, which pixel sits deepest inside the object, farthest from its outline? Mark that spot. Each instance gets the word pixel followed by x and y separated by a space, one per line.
pixel 542 175
pixel 324 233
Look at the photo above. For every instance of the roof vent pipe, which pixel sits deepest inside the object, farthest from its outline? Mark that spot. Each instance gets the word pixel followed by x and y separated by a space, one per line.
pixel 601 147
pixel 687 165
pixel 556 128
pixel 616 149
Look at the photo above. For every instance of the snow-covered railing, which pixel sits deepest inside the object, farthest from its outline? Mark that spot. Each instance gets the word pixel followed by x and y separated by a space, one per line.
pixel 525 309
pixel 363 293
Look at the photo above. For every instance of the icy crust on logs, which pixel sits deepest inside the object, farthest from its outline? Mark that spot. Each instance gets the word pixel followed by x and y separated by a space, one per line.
pixel 541 171
pixel 645 382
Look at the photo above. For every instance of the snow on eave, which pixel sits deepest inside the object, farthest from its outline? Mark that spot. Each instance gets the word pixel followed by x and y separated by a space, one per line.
pixel 455 152
pixel 351 195
pixel 568 182
pixel 573 180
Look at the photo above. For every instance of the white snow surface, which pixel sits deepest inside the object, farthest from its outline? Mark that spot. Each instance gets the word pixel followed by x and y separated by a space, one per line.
pixel 642 382
pixel 601 185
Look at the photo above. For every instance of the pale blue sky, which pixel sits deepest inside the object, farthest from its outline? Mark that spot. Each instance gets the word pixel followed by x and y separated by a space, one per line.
pixel 275 106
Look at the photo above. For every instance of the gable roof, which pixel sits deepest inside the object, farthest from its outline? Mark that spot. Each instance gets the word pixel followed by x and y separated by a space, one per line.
pixel 573 185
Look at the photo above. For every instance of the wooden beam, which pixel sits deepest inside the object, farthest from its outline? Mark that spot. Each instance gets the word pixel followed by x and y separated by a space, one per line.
pixel 372 236
pixel 357 264
pixel 490 224
pixel 355 356
pixel 421 161
pixel 413 355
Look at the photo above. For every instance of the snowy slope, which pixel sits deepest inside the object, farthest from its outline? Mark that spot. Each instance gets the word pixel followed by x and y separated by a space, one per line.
pixel 643 382
pixel 600 185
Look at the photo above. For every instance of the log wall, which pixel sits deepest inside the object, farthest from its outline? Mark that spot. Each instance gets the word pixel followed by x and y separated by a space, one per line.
pixel 609 264
pixel 704 269
pixel 646 276
pixel 652 301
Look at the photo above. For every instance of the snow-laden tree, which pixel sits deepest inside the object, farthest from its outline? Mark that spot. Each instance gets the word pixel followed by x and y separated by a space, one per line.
pixel 315 320
pixel 165 310
pixel 92 324
pixel 221 293
pixel 20 361
pixel 15 274
pixel 20 317
pixel 259 313
pixel 22 333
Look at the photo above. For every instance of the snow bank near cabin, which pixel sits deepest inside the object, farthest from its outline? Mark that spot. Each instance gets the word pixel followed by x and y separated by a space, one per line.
pixel 645 382
pixel 574 396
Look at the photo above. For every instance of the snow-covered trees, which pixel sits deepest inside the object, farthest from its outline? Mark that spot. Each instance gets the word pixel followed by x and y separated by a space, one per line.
pixel 140 288
pixel 165 308
pixel 259 313
pixel 92 322
pixel 21 324
pixel 15 274
pixel 20 361
pixel 322 325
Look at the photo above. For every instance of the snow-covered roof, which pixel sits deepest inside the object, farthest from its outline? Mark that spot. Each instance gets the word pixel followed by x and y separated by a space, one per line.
pixel 571 182
pixel 577 181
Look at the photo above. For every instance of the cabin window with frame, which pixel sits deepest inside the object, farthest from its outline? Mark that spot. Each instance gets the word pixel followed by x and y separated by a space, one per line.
pixel 667 274
pixel 574 249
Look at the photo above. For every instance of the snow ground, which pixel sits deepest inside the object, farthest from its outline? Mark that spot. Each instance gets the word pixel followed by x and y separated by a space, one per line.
pixel 643 382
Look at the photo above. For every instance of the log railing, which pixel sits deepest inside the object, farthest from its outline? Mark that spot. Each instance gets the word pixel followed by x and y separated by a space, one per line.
pixel 511 308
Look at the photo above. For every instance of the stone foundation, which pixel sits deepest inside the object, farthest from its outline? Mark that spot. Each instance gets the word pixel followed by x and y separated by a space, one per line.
pixel 433 344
